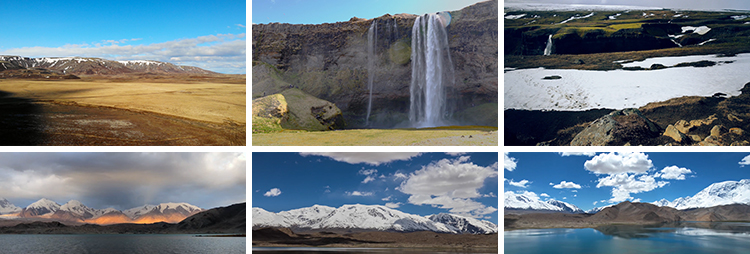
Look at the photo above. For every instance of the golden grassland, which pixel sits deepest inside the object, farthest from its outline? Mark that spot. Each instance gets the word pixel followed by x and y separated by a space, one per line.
pixel 442 136
pixel 215 101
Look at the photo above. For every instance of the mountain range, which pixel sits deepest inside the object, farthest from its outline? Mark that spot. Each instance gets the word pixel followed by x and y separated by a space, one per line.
pixel 369 217
pixel 220 220
pixel 716 194
pixel 93 66
pixel 75 211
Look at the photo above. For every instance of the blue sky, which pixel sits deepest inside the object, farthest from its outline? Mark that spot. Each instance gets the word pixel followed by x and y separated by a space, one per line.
pixel 331 11
pixel 416 183
pixel 654 175
pixel 209 35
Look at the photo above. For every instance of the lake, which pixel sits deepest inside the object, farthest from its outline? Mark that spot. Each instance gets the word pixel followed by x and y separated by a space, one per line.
pixel 688 237
pixel 120 244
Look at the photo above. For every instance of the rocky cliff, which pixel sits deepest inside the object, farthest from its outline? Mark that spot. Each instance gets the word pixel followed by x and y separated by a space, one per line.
pixel 329 61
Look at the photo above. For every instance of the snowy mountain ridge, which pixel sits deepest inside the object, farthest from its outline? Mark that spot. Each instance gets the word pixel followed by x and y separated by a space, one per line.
pixel 528 201
pixel 6 207
pixel 374 217
pixel 721 193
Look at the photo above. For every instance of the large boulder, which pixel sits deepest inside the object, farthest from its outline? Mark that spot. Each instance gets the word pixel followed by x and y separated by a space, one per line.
pixel 627 126
pixel 309 113
pixel 269 112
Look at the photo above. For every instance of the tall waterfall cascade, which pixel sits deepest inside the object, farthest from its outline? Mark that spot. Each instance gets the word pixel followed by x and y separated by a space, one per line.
pixel 548 48
pixel 372 37
pixel 431 72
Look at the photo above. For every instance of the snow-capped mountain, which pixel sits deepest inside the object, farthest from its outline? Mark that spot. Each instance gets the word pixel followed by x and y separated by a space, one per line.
pixel 163 208
pixel 6 207
pixel 75 211
pixel 372 217
pixel 532 202
pixel 597 209
pixel 39 208
pixel 464 225
pixel 94 66
pixel 721 193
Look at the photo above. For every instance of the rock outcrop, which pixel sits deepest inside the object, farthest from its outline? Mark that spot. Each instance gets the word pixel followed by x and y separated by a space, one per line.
pixel 329 61
pixel 295 109
pixel 627 126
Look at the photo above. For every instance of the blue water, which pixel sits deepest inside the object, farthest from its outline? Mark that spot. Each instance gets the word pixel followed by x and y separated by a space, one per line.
pixel 692 238
pixel 115 244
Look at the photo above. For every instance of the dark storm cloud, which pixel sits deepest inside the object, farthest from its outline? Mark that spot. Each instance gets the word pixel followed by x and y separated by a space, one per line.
pixel 124 180
pixel 675 4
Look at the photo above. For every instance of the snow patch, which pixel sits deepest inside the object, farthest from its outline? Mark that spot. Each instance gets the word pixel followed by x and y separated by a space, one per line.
pixel 515 16
pixel 702 30
pixel 576 17
pixel 618 89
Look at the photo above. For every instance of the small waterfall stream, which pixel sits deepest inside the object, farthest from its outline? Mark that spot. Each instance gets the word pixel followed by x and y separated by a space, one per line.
pixel 432 70
pixel 548 48
pixel 372 37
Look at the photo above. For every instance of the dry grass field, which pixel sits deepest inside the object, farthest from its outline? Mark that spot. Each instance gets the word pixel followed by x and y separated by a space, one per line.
pixel 122 110
pixel 479 136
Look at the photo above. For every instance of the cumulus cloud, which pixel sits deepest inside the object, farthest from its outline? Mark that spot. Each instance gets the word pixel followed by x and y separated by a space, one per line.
pixel 357 193
pixel 624 184
pixel 745 161
pixel 393 205
pixel 509 162
pixel 374 159
pixel 674 173
pixel 450 184
pixel 367 172
pixel 614 163
pixel 272 192
pixel 368 179
pixel 400 176
pixel 566 185
pixel 589 154
pixel 388 198
pixel 455 153
pixel 544 195
pixel 224 53
pixel 522 183
pixel 125 180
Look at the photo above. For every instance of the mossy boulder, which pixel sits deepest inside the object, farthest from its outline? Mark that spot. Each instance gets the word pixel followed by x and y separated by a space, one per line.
pixel 307 112
pixel 268 113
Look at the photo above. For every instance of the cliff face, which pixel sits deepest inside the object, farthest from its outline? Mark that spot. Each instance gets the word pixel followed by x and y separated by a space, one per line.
pixel 329 61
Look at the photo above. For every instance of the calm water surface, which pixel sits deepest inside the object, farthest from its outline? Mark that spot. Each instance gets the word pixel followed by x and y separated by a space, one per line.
pixel 120 244
pixel 692 238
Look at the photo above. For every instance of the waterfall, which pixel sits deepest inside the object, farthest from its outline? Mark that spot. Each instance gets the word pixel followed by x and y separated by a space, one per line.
pixel 548 48
pixel 372 37
pixel 431 72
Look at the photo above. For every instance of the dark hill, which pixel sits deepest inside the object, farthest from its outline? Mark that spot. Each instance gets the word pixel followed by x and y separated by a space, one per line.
pixel 218 220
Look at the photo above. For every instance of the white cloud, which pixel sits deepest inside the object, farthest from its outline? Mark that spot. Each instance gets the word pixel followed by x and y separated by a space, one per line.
pixel 614 163
pixel 450 184
pixel 367 172
pixel 221 52
pixel 566 185
pixel 357 193
pixel 273 192
pixel 368 179
pixel 673 172
pixel 589 154
pixel 388 198
pixel 400 175
pixel 574 190
pixel 522 183
pixel 624 184
pixel 455 153
pixel 544 195
pixel 374 159
pixel 392 205
pixel 745 161
pixel 240 25
pixel 509 163
pixel 489 195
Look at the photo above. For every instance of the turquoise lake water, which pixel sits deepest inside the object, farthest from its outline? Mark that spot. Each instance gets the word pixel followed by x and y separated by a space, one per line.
pixel 691 238
pixel 115 244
